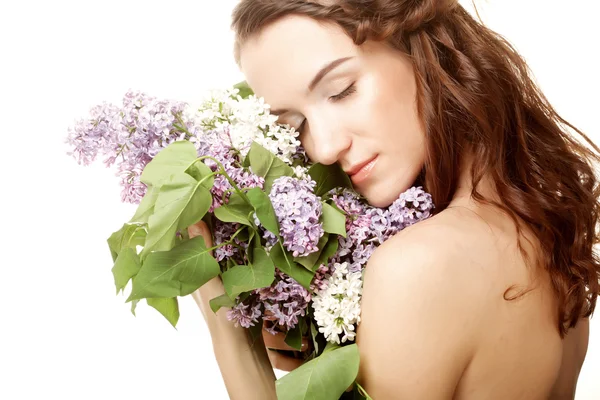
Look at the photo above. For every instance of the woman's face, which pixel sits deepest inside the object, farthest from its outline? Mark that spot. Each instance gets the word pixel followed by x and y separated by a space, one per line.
pixel 354 105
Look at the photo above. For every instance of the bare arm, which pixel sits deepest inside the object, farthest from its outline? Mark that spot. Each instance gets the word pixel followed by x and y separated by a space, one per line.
pixel 245 367
pixel 575 345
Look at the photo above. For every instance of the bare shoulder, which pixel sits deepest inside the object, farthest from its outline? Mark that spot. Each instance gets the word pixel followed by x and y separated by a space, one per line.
pixel 422 296
pixel 442 249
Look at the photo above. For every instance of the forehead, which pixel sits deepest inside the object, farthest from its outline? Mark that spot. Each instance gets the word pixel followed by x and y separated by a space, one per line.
pixel 285 55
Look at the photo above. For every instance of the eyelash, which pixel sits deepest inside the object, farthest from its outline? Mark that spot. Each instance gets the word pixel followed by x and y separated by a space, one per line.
pixel 347 92
pixel 338 97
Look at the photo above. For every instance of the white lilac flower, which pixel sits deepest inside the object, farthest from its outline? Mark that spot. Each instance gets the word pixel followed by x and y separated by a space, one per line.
pixel 300 172
pixel 337 307
pixel 248 120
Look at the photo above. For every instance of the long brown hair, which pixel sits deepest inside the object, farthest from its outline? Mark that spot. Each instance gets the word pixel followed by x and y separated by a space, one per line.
pixel 475 91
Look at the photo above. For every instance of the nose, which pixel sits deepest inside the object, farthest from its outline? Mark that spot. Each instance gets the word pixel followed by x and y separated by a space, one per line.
pixel 329 141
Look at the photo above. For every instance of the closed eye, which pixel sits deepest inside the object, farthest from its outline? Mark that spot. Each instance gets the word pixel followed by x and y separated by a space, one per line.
pixel 347 92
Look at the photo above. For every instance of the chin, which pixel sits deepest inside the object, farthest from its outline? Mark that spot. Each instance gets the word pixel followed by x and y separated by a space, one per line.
pixel 385 193
pixel 382 199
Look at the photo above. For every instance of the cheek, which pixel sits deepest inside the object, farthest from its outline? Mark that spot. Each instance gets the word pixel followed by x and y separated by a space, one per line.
pixel 397 122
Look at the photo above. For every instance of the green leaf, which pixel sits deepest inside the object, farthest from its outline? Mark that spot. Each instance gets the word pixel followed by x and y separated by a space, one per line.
pixel 202 173
pixel 173 159
pixel 236 210
pixel 333 220
pixel 303 326
pixel 177 272
pixel 129 236
pixel 325 377
pixel 244 278
pixel 328 251
pixel 293 338
pixel 264 209
pixel 286 264
pixel 329 177
pixel 168 307
pixel 255 332
pixel 309 261
pixel 221 301
pixel 146 207
pixel 314 333
pixel 134 304
pixel 245 90
pixel 182 202
pixel 266 164
pixel 244 236
pixel 246 162
pixel 126 267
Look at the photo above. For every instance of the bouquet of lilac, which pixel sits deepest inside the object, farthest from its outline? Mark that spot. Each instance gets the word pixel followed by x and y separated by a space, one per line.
pixel 291 238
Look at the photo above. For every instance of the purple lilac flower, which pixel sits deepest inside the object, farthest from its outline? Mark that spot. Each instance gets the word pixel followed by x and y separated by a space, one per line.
pixel 298 210
pixel 222 233
pixel 89 136
pixel 412 206
pixel 319 281
pixel 215 143
pixel 242 177
pixel 129 135
pixel 246 313
pixel 285 301
pixel 368 227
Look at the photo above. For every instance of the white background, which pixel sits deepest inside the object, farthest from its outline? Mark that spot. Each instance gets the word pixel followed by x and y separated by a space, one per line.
pixel 63 332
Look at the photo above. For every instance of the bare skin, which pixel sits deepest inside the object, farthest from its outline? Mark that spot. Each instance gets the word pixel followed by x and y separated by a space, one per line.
pixel 435 323
pixel 463 339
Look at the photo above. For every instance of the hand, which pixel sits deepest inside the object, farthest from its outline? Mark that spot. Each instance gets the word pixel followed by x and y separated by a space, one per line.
pixel 281 361
pixel 243 364
pixel 212 288
pixel 276 342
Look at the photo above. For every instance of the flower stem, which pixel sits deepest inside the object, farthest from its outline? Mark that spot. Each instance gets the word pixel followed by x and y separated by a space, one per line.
pixel 362 391
pixel 222 171
pixel 230 241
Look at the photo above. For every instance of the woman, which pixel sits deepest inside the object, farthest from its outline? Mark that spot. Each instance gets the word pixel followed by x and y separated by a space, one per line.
pixel 489 298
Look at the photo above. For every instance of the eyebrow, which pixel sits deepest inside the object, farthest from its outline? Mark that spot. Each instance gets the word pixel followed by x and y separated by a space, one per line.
pixel 318 78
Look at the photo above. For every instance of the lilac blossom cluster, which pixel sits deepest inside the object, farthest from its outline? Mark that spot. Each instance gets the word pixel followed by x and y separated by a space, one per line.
pixel 217 144
pixel 367 227
pixel 132 134
pixel 283 303
pixel 230 250
pixel 129 136
pixel 298 210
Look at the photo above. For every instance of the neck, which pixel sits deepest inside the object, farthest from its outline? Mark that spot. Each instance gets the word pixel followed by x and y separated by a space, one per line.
pixel 464 189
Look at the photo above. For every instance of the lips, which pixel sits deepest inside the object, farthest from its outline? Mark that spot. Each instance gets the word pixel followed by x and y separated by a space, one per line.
pixel 357 167
pixel 360 172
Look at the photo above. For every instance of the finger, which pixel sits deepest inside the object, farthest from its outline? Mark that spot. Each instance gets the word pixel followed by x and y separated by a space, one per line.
pixel 277 341
pixel 283 363
pixel 201 229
